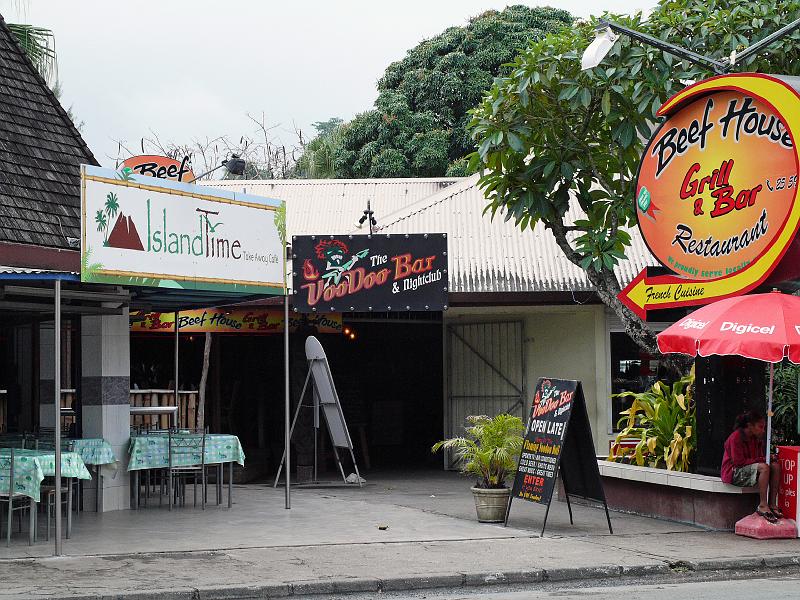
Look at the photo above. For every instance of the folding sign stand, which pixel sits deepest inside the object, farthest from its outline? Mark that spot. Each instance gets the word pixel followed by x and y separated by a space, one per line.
pixel 558 441
pixel 326 400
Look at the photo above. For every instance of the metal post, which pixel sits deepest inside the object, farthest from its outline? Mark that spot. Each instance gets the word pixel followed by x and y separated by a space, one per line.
pixel 769 412
pixel 287 407
pixel 57 435
pixel 177 346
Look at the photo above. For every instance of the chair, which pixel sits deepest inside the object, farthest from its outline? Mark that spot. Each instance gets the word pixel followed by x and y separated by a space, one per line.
pixel 187 460
pixel 12 440
pixel 13 500
pixel 48 490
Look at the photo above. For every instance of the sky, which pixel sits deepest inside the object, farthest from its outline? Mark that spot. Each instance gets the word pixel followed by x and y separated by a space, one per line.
pixel 194 69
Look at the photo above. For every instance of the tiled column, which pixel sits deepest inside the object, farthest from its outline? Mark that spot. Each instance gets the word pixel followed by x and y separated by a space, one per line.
pixel 47 388
pixel 105 401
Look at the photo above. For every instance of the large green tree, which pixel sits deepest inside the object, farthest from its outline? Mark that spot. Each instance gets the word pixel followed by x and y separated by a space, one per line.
pixel 548 130
pixel 418 125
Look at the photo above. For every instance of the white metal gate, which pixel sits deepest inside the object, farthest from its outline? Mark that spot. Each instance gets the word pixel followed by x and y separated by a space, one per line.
pixel 486 372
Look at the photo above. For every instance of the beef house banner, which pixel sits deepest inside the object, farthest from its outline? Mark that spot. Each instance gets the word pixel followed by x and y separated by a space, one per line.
pixel 557 439
pixel 362 273
pixel 239 320
pixel 142 230
pixel 716 194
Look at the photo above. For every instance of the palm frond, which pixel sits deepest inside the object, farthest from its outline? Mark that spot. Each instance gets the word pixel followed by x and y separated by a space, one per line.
pixel 38 43
pixel 490 448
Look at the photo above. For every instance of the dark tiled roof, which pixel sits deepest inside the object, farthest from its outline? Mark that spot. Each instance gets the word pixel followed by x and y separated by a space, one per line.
pixel 40 154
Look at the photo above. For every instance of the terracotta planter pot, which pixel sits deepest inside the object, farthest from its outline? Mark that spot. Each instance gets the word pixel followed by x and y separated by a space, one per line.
pixel 491 504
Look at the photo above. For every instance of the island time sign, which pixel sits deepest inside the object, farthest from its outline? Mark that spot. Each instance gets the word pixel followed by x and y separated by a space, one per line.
pixel 716 195
pixel 139 230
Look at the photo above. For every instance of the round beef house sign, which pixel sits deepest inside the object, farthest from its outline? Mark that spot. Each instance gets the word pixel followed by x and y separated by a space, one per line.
pixel 716 195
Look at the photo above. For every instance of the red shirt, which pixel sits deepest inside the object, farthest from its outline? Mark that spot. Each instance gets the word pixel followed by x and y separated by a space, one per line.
pixel 740 451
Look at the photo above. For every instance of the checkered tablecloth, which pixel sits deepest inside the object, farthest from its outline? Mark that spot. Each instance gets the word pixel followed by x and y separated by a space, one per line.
pixel 94 451
pixel 32 466
pixel 152 452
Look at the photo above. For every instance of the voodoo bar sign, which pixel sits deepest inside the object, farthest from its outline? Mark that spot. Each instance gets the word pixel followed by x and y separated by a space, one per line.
pixel 716 193
pixel 363 273
pixel 558 439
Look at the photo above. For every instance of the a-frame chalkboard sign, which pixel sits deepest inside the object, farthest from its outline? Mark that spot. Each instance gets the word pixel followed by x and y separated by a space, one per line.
pixel 558 438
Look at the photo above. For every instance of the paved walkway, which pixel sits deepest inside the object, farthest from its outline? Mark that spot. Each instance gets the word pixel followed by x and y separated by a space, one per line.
pixel 332 541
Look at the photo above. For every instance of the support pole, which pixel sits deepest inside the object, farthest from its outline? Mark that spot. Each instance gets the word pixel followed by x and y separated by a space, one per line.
pixel 287 404
pixel 177 354
pixel 57 434
pixel 769 411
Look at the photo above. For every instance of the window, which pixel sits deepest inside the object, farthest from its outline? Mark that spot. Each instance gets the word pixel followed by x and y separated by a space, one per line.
pixel 632 370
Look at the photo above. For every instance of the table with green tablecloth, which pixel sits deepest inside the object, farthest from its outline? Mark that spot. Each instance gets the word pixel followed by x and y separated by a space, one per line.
pixel 151 451
pixel 32 466
pixel 95 452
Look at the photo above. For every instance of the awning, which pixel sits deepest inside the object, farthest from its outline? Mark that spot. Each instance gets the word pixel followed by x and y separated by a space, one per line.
pixel 27 291
pixel 36 274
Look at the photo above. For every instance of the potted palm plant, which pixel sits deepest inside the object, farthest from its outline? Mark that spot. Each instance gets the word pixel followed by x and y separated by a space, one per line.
pixel 489 450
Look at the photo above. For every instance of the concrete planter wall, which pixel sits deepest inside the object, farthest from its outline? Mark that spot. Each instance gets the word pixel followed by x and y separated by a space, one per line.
pixel 491 504
pixel 685 497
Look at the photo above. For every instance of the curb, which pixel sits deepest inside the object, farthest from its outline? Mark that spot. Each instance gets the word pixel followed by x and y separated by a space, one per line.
pixel 328 587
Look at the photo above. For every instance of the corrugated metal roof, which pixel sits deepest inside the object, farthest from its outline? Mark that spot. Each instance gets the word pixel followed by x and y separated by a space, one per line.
pixel 493 255
pixel 485 255
pixel 315 206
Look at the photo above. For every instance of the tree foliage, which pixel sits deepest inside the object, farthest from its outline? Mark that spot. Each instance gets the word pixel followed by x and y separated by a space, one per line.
pixel 39 44
pixel 418 125
pixel 664 420
pixel 548 131
pixel 784 404
pixel 489 449
pixel 321 156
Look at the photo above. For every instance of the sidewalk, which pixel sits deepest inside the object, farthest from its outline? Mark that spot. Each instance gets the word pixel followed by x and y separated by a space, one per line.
pixel 330 542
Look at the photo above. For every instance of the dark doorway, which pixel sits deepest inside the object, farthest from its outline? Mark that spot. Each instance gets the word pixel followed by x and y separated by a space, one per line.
pixel 388 374
pixel 389 379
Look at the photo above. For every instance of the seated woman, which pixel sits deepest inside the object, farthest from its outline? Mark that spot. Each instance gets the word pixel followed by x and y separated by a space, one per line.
pixel 743 464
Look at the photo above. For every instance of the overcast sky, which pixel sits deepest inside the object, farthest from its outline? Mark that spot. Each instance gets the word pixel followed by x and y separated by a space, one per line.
pixel 195 68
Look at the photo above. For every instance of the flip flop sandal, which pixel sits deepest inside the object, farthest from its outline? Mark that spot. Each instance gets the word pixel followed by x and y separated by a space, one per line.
pixel 768 516
pixel 777 512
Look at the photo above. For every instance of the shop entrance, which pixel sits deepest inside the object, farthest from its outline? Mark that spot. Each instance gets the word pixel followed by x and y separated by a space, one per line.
pixel 387 370
pixel 388 373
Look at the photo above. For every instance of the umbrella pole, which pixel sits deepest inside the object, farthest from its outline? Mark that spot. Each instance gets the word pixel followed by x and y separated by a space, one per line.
pixel 769 410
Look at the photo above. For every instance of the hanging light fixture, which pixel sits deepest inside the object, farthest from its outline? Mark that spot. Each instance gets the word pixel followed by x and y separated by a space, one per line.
pixel 599 48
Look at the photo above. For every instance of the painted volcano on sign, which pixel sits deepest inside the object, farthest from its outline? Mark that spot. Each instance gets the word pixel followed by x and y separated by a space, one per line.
pixel 124 235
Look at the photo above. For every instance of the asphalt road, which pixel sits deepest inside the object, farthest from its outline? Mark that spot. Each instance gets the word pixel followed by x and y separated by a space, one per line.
pixel 774 589
pixel 781 586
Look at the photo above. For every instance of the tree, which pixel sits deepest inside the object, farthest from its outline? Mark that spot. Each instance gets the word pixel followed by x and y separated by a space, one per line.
pixel 320 156
pixel 326 127
pixel 418 125
pixel 548 130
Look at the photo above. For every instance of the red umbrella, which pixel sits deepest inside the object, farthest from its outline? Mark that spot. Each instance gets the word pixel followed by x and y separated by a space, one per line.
pixel 761 326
